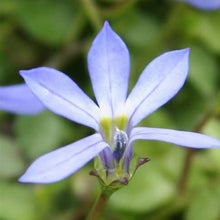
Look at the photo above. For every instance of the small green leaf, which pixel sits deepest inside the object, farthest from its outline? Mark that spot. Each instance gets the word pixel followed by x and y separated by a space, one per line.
pixel 149 189
pixel 212 128
pixel 203 71
pixel 10 160
pixel 139 30
pixel 17 202
pixel 39 134
pixel 52 22
pixel 205 205
pixel 207 30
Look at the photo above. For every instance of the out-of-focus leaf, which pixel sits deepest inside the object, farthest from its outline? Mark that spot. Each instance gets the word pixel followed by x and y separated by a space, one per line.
pixel 53 197
pixel 212 128
pixel 6 67
pixel 11 163
pixel 163 156
pixel 159 118
pixel 52 22
pixel 206 205
pixel 8 7
pixel 138 29
pixel 188 107
pixel 16 202
pixel 199 177
pixel 39 134
pixel 149 189
pixel 208 31
pixel 203 71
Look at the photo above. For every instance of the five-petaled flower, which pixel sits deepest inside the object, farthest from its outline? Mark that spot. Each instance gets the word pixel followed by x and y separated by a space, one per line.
pixel 115 117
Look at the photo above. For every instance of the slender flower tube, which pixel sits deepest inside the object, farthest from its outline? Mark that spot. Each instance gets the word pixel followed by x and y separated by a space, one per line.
pixel 204 4
pixel 115 117
pixel 19 99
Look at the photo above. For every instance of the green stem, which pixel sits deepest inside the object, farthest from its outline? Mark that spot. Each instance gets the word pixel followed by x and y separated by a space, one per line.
pixel 99 205
pixel 190 155
pixel 92 13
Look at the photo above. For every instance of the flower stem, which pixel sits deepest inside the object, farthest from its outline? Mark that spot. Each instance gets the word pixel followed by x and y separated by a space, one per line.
pixel 99 205
pixel 92 12
pixel 190 155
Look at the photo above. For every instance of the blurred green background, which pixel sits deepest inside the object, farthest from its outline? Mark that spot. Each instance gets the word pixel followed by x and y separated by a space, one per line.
pixel 177 183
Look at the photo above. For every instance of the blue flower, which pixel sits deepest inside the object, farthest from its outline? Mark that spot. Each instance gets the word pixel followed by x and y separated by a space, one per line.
pixel 19 99
pixel 116 116
pixel 204 4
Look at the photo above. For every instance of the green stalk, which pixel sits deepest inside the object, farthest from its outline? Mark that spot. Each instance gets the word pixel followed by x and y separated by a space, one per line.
pixel 99 205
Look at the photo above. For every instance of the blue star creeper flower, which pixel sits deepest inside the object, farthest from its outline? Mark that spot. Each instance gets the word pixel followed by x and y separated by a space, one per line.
pixel 115 117
pixel 19 99
pixel 204 4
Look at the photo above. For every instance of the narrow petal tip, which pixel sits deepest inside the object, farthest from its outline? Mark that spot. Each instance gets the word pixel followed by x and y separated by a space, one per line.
pixel 25 73
pixel 106 24
pixel 181 52
pixel 187 51
pixel 63 162
pixel 23 179
pixel 26 178
pixel 107 29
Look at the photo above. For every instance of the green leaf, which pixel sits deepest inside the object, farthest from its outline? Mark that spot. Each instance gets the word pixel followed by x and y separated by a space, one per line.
pixel 203 71
pixel 39 134
pixel 138 29
pixel 52 22
pixel 212 128
pixel 17 202
pixel 10 160
pixel 159 118
pixel 149 189
pixel 205 205
pixel 207 30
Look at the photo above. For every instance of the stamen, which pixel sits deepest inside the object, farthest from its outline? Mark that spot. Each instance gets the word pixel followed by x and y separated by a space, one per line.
pixel 120 144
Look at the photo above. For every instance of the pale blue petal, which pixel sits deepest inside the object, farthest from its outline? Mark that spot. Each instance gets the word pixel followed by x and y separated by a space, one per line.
pixel 63 162
pixel 107 159
pixel 109 64
pixel 158 83
pixel 62 96
pixel 19 99
pixel 204 4
pixel 181 138
pixel 128 155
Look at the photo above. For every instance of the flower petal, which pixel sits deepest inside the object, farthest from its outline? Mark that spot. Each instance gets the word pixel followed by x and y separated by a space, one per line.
pixel 62 96
pixel 107 159
pixel 204 4
pixel 181 138
pixel 109 65
pixel 128 155
pixel 63 162
pixel 19 99
pixel 158 83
